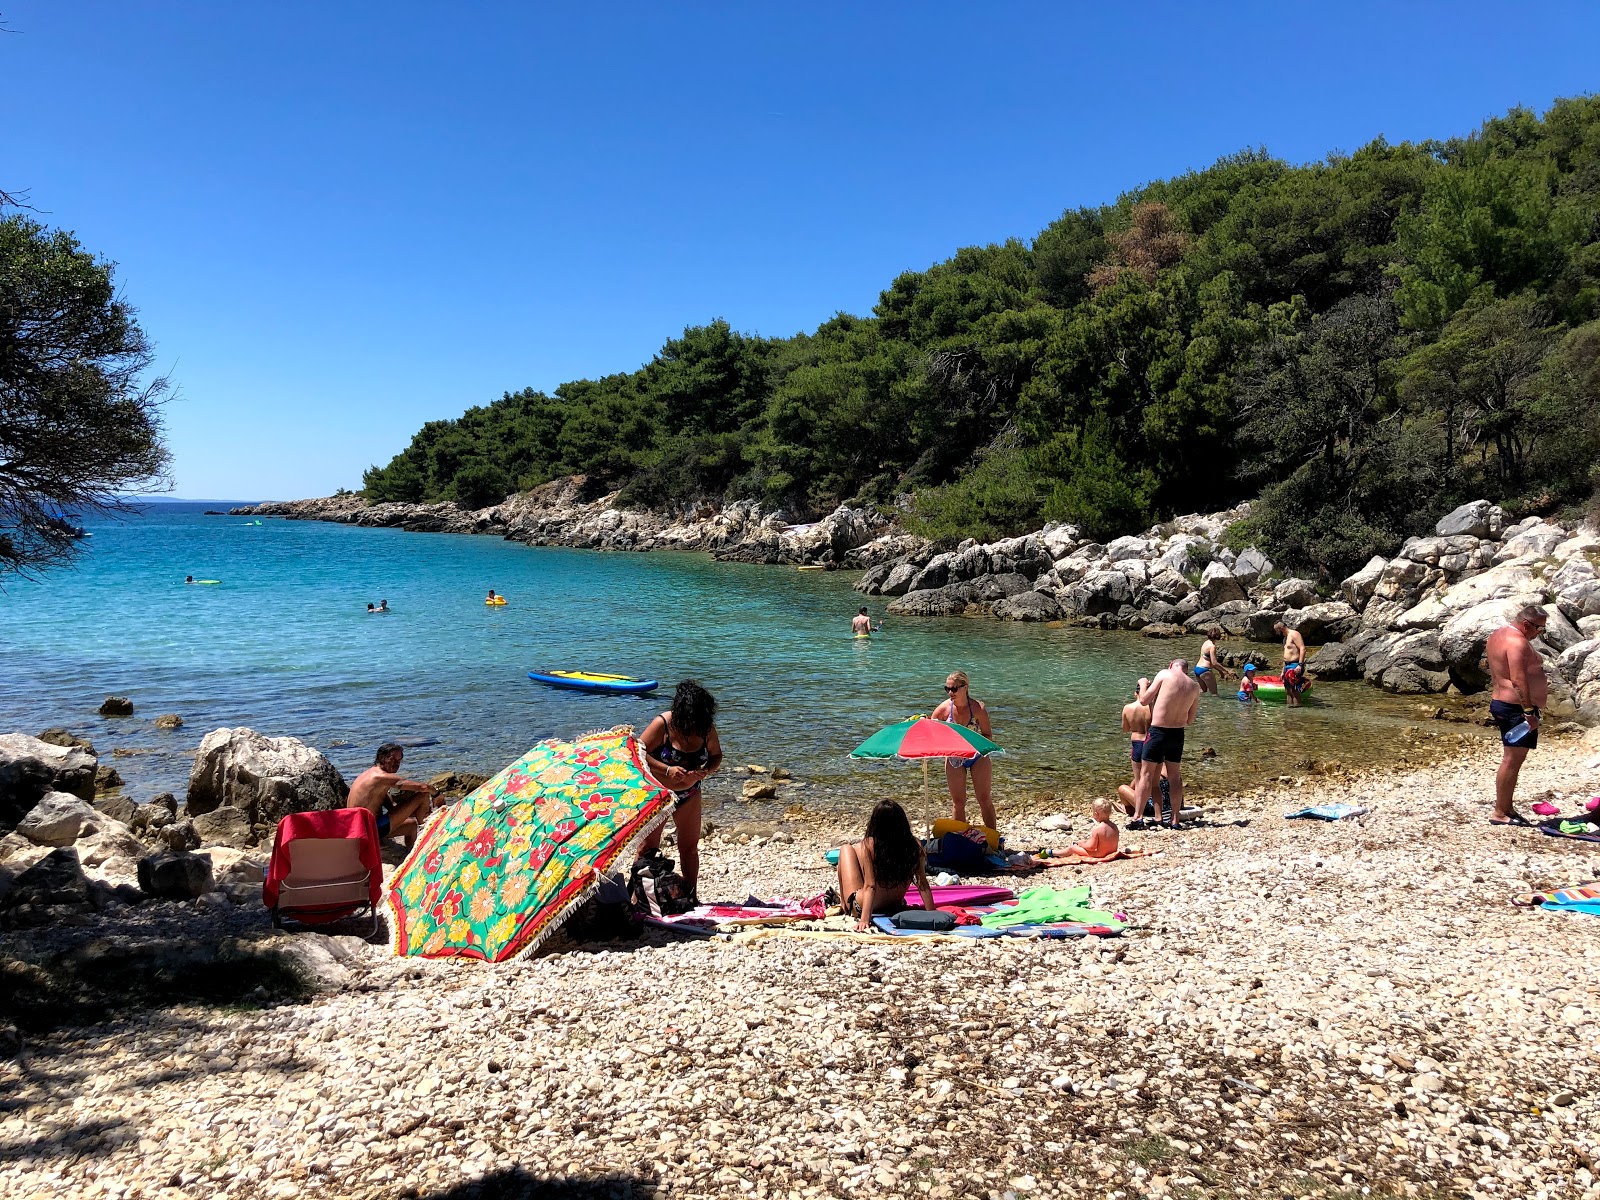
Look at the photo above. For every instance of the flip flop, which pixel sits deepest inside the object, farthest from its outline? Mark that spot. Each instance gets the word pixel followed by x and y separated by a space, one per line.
pixel 1514 819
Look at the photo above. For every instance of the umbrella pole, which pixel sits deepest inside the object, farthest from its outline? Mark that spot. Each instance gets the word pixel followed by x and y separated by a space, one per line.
pixel 927 804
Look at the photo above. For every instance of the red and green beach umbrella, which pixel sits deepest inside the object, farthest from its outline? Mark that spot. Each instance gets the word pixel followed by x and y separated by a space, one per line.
pixel 925 738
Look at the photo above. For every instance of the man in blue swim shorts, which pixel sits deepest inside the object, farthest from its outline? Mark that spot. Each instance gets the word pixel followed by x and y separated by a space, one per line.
pixel 1520 692
pixel 399 805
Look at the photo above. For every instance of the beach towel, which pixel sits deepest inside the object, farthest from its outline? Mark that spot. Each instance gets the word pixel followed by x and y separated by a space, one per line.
pixel 1079 860
pixel 1581 831
pixel 1046 905
pixel 1054 929
pixel 751 912
pixel 962 894
pixel 1583 898
pixel 1328 812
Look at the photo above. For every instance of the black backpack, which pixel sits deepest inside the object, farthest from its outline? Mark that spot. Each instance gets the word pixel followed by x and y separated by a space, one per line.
pixel 606 915
pixel 656 889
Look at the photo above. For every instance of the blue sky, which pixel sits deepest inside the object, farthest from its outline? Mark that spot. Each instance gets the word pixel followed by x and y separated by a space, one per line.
pixel 341 220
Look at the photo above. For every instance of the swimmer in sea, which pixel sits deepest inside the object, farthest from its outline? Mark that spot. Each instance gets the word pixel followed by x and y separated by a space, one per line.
pixel 1247 684
pixel 370 609
pixel 861 624
pixel 1207 669
pixel 959 708
pixel 383 606
pixel 492 597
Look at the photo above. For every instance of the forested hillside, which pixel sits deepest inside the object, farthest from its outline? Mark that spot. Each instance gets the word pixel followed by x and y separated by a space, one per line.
pixel 1361 342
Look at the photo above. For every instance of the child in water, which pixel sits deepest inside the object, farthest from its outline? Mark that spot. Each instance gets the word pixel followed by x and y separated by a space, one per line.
pixel 1247 682
pixel 1102 840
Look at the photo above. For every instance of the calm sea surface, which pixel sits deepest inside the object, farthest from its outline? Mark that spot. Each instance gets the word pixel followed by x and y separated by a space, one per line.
pixel 284 645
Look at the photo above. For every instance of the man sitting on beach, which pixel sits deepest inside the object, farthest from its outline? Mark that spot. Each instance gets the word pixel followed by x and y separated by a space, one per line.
pixel 1172 697
pixel 1294 658
pixel 399 804
pixel 1520 691
pixel 1207 669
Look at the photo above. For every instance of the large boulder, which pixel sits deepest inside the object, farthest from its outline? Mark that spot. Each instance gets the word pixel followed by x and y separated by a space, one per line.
pixel 264 778
pixel 871 582
pixel 1577 588
pixel 1295 593
pixel 1250 566
pixel 1185 553
pixel 175 876
pixel 1333 660
pixel 1128 547
pixel 1409 664
pixel 1232 617
pixel 225 826
pixel 116 706
pixel 1100 592
pixel 1028 606
pixel 29 768
pixel 1000 587
pixel 1358 588
pixel 1331 621
pixel 1218 585
pixel 58 736
pixel 1471 519
pixel 933 576
pixel 1262 625
pixel 1403 581
pixel 59 819
pixel 947 601
pixel 1464 636
pixel 898 581
pixel 57 880
pixel 1533 541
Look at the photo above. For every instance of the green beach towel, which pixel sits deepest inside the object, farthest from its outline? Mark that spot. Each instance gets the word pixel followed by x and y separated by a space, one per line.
pixel 1043 905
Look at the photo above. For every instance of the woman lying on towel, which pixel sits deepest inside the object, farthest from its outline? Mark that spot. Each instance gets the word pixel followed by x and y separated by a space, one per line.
pixel 875 872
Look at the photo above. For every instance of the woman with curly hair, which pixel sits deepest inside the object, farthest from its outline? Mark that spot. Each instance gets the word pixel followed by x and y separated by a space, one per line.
pixel 875 872
pixel 681 748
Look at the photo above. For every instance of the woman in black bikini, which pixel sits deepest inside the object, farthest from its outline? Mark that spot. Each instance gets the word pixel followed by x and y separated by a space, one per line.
pixel 959 708
pixel 875 872
pixel 681 748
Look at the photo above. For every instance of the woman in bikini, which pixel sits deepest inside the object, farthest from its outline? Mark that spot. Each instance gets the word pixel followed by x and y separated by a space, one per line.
pixel 681 748
pixel 959 708
pixel 875 872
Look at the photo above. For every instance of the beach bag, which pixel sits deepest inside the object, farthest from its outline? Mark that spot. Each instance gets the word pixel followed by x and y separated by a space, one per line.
pixel 962 852
pixel 921 918
pixel 656 889
pixel 608 914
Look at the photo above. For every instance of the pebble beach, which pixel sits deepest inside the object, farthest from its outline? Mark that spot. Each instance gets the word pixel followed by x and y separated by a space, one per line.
pixel 1302 1010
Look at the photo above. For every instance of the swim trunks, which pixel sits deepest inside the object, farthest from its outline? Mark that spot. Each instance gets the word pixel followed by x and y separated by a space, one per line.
pixel 1293 676
pixel 1136 749
pixel 1508 716
pixel 383 820
pixel 1163 744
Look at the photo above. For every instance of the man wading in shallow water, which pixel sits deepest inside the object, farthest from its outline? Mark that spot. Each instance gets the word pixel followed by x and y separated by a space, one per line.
pixel 1172 698
pixel 1520 690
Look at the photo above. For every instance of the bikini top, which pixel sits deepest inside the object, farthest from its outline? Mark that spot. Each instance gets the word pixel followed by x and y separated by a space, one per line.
pixel 673 756
pixel 972 714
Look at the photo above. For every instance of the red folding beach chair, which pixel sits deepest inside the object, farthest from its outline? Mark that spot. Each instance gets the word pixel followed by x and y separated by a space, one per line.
pixel 324 866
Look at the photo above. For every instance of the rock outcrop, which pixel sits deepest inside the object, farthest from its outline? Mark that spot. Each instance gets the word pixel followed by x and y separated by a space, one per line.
pixel 262 778
pixel 30 768
pixel 560 513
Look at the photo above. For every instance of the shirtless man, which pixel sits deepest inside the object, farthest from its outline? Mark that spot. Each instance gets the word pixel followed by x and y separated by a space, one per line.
pixel 1136 724
pixel 1520 690
pixel 1294 658
pixel 1206 668
pixel 861 624
pixel 399 817
pixel 1172 697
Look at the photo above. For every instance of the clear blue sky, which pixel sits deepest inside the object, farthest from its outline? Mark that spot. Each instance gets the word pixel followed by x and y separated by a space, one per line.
pixel 339 220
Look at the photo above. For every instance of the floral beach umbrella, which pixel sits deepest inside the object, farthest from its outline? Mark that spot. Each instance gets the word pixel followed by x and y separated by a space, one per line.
pixel 925 738
pixel 496 873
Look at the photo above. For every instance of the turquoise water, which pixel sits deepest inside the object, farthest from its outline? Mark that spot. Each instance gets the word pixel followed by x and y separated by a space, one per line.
pixel 284 645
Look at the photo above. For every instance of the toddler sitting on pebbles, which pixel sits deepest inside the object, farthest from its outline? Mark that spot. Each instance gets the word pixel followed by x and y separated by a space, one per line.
pixel 1102 839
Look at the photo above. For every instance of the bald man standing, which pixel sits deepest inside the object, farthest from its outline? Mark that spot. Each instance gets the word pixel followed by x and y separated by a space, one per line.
pixel 1172 698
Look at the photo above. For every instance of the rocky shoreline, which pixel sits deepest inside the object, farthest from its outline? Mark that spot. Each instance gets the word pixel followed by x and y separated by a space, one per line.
pixel 1414 622
pixel 1300 1009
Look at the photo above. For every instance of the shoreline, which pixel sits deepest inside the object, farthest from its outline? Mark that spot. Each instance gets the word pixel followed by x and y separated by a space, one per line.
pixel 1189 1057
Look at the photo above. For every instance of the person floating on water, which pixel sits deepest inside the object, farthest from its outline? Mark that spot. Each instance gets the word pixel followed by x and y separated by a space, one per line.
pixel 1207 669
pixel 399 804
pixel 1294 657
pixel 492 597
pixel 1520 692
pixel 876 872
pixel 383 606
pixel 682 749
pixel 370 608
pixel 188 578
pixel 861 625
pixel 959 708
pixel 1172 697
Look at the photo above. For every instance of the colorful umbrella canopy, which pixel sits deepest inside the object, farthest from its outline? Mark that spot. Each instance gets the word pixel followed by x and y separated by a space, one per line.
pixel 493 875
pixel 923 737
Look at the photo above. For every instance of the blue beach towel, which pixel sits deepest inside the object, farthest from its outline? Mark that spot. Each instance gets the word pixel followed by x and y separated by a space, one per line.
pixel 1328 812
pixel 1063 930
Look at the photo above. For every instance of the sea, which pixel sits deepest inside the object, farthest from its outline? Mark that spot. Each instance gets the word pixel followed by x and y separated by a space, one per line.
pixel 283 643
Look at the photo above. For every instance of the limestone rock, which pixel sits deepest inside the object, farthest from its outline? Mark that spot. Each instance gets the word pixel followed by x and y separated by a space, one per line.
pixel 29 768
pixel 169 721
pixel 1532 542
pixel 1333 660
pixel 1295 593
pixel 116 806
pixel 174 876
pixel 1358 588
pixel 1128 547
pixel 58 820
pixel 1471 518
pixel 112 842
pixel 1251 565
pixel 1028 606
pixel 1218 585
pixel 945 601
pixel 758 789
pixel 1000 587
pixel 106 779
pixel 55 880
pixel 116 706
pixel 1331 621
pixel 1410 664
pixel 264 778
pixel 225 826
pixel 1463 637
pixel 898 581
pixel 57 736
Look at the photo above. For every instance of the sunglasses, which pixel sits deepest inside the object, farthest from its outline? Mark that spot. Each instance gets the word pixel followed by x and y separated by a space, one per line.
pixel 954 687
